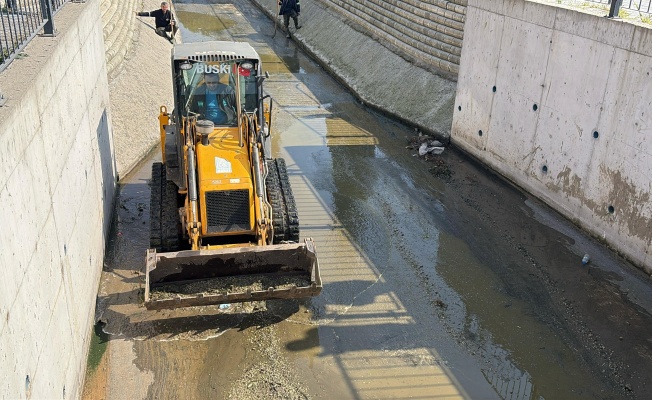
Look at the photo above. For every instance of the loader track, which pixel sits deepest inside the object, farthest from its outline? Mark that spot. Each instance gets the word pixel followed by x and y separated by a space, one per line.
pixel 285 218
pixel 164 216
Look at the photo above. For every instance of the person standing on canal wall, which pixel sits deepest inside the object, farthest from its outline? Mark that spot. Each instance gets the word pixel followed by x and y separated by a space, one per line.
pixel 290 9
pixel 164 20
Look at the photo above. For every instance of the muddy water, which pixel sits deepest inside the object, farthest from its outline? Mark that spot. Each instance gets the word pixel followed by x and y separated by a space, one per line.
pixel 451 287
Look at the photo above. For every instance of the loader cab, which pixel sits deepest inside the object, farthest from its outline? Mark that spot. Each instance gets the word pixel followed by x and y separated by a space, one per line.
pixel 212 89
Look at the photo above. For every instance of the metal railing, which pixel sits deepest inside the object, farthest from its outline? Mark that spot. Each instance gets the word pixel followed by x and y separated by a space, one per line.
pixel 642 6
pixel 20 21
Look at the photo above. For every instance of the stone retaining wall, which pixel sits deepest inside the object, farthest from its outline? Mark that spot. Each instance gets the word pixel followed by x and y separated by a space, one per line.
pixel 429 31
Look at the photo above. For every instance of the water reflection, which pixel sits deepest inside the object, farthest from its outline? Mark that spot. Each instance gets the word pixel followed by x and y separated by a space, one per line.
pixel 199 27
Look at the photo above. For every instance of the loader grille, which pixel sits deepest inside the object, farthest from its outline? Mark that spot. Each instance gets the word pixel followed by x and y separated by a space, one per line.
pixel 228 211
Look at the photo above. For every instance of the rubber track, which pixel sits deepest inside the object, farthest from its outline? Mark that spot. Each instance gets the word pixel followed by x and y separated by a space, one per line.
pixel 164 217
pixel 170 218
pixel 290 204
pixel 275 197
pixel 285 218
pixel 155 206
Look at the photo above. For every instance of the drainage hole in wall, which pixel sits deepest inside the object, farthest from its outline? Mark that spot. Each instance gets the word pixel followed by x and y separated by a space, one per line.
pixel 493 89
pixel 596 134
pixel 545 168
pixel 459 108
pixel 535 107
pixel 480 132
pixel 611 209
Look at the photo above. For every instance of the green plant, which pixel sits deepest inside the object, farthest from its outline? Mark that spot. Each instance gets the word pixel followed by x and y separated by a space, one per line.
pixel 597 6
pixel 3 55
pixel 98 346
pixel 646 19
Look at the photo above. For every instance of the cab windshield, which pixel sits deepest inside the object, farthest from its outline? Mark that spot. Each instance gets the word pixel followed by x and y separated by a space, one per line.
pixel 210 90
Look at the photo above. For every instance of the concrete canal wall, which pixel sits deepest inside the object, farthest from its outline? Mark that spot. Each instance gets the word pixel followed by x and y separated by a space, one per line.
pixel 560 102
pixel 57 184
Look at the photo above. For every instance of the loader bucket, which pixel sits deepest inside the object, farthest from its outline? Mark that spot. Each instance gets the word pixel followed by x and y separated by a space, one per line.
pixel 231 275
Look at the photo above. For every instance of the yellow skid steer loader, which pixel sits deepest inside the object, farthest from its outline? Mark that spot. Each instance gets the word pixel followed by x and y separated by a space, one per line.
pixel 223 220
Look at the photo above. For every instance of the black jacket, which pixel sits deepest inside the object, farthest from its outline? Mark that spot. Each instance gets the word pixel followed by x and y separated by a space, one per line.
pixel 162 18
pixel 287 6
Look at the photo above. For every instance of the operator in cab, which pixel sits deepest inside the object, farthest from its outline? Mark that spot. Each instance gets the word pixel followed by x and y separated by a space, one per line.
pixel 215 101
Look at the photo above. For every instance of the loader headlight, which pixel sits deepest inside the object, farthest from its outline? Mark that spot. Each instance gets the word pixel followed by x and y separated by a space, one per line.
pixel 247 65
pixel 185 66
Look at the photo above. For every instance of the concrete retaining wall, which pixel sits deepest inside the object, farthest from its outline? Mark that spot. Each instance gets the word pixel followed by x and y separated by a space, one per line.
pixel 57 183
pixel 560 102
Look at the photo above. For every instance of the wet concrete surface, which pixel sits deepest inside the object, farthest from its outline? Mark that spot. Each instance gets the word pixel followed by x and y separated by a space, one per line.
pixel 440 279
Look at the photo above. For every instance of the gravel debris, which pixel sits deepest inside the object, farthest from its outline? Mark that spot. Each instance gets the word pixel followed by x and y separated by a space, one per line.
pixel 274 377
pixel 228 284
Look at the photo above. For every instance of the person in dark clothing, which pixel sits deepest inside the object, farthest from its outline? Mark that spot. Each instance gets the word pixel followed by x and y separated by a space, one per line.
pixel 290 9
pixel 215 101
pixel 164 20
pixel 11 5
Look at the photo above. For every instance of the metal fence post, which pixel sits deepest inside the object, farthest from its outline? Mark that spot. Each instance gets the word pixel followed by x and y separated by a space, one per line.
pixel 46 8
pixel 615 8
